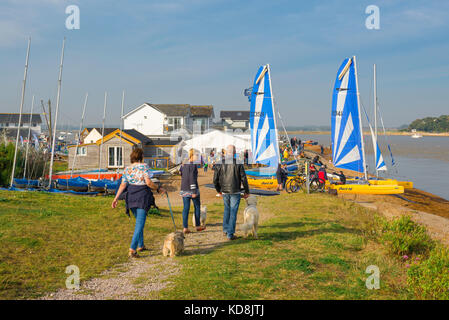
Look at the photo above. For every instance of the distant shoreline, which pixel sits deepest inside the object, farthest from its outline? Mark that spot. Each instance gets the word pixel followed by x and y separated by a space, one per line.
pixel 390 133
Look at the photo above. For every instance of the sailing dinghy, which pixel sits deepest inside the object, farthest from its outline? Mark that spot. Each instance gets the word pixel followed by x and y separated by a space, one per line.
pixel 264 137
pixel 348 149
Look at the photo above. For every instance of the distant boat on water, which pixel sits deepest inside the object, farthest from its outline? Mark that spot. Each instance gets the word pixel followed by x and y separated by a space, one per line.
pixel 415 134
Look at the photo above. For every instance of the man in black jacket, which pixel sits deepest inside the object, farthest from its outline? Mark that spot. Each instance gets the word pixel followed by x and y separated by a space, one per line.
pixel 228 179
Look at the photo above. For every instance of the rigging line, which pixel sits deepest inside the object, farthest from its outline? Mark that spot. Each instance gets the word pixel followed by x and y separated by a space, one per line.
pixel 369 124
pixel 393 163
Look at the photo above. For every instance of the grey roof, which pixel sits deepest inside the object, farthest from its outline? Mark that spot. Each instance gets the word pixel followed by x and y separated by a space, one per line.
pixel 151 140
pixel 14 118
pixel 139 136
pixel 164 141
pixel 202 111
pixel 172 110
pixel 235 115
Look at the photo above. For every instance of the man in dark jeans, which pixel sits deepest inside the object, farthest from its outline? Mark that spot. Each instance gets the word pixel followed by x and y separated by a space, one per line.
pixel 228 179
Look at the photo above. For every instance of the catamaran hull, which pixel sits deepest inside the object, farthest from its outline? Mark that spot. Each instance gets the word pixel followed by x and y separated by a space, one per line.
pixel 264 183
pixel 367 189
pixel 405 184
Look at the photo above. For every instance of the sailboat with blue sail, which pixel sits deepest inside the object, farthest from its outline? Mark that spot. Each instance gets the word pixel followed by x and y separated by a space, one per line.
pixel 264 137
pixel 264 134
pixel 379 162
pixel 348 148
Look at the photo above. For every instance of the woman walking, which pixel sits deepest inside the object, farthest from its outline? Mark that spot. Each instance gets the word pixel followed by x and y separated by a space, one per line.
pixel 190 191
pixel 137 180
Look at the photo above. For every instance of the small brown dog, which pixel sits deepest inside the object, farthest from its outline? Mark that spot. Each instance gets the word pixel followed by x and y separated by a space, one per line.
pixel 173 244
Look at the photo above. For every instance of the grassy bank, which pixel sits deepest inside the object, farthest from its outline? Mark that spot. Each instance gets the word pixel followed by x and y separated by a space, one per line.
pixel 313 247
pixel 41 234
pixel 309 247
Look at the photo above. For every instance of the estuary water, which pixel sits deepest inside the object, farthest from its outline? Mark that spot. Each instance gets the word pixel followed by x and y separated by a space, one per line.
pixel 425 161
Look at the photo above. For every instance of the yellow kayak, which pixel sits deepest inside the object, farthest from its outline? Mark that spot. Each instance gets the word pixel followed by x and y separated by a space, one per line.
pixel 367 189
pixel 405 184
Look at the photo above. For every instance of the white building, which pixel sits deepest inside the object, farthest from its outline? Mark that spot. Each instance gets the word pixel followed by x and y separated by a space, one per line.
pixel 11 121
pixel 235 119
pixel 92 135
pixel 162 119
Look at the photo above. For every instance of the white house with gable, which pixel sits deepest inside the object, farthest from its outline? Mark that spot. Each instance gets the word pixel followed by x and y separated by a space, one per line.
pixel 161 119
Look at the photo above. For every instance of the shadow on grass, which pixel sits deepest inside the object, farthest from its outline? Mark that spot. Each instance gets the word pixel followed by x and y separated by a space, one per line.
pixel 297 224
pixel 274 236
pixel 292 235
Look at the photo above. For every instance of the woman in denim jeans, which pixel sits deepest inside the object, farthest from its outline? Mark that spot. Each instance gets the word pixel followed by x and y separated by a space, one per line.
pixel 190 191
pixel 137 180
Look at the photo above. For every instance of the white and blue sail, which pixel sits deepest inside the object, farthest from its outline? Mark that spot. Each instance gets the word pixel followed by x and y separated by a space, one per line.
pixel 378 158
pixel 264 142
pixel 347 139
pixel 379 162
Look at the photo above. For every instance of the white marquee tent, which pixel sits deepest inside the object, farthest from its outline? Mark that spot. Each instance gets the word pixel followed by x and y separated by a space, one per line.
pixel 218 140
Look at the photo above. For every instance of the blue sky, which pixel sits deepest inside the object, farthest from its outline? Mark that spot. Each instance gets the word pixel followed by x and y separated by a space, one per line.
pixel 208 51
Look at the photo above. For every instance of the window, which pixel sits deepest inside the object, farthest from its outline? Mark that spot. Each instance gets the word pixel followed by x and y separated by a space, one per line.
pixel 174 123
pixel 159 152
pixel 115 159
pixel 81 151
pixel 199 125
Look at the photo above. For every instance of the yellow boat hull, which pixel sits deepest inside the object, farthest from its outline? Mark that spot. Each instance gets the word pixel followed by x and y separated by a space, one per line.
pixel 405 184
pixel 264 183
pixel 367 189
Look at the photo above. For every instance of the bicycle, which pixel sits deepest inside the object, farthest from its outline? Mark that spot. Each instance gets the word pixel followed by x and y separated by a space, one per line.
pixel 295 184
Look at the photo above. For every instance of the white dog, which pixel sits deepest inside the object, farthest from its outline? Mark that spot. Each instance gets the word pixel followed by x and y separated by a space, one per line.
pixel 250 217
pixel 203 215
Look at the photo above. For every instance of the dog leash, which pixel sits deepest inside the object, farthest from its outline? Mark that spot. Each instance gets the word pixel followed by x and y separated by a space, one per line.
pixel 171 212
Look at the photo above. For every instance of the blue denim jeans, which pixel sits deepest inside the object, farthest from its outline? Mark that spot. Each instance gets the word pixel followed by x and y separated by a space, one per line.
pixel 141 216
pixel 185 211
pixel 231 207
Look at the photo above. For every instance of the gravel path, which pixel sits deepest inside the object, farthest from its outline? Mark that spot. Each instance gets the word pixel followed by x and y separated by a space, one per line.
pixel 144 277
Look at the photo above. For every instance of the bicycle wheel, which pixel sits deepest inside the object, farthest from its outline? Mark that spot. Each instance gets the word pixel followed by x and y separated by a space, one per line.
pixel 314 185
pixel 295 185
pixel 287 186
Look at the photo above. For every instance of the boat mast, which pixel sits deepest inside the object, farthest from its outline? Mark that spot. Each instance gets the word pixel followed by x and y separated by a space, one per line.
pixel 56 114
pixel 79 134
pixel 375 119
pixel 121 128
pixel 102 134
pixel 21 109
pixel 28 139
pixel 360 117
pixel 274 114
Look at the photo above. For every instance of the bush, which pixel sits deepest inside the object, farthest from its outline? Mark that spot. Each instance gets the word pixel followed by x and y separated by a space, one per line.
pixel 6 161
pixel 403 236
pixel 429 279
